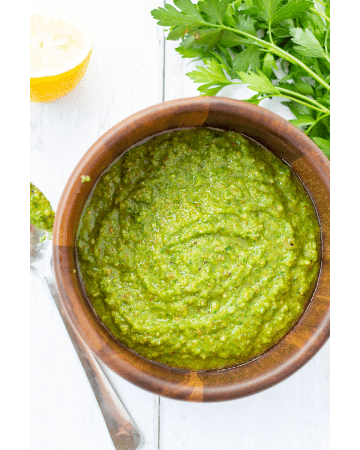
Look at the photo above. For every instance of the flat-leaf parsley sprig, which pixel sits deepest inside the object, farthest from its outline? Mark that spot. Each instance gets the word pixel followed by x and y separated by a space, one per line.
pixel 279 48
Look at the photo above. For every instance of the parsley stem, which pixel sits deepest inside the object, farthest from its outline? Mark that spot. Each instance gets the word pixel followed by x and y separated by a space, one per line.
pixel 319 107
pixel 324 16
pixel 270 35
pixel 289 98
pixel 326 39
pixel 309 105
pixel 277 51
pixel 321 2
pixel 285 55
pixel 308 99
pixel 317 66
pixel 316 121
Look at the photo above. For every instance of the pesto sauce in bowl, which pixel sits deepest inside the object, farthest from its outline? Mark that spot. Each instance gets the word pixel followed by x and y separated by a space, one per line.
pixel 199 249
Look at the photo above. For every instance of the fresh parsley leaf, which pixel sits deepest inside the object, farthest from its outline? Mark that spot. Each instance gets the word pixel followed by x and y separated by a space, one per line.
pixel 316 24
pixel 327 8
pixel 302 121
pixel 208 89
pixel 177 33
pixel 215 9
pixel 191 52
pixel 303 87
pixel 225 56
pixel 170 16
pixel 298 109
pixel 188 8
pixel 281 32
pixel 231 13
pixel 255 99
pixel 266 9
pixel 300 87
pixel 247 59
pixel 230 39
pixel 268 65
pixel 323 144
pixel 258 82
pixel 213 72
pixel 206 38
pixel 292 9
pixel 248 3
pixel 308 45
pixel 246 24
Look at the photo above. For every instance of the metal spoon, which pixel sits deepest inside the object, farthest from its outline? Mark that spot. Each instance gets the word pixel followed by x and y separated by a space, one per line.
pixel 122 429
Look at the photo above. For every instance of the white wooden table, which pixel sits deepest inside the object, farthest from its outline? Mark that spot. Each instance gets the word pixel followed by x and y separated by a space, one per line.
pixel 133 67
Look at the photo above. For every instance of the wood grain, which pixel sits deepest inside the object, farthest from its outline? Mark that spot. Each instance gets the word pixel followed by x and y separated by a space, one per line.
pixel 279 136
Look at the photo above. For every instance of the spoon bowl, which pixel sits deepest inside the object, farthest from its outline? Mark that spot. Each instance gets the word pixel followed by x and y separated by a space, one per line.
pixel 122 429
pixel 40 247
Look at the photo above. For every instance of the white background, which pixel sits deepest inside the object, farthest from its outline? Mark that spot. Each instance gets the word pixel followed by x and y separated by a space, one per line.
pixel 131 68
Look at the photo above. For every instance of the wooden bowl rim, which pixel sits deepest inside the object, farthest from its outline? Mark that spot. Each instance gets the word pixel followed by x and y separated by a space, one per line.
pixel 274 365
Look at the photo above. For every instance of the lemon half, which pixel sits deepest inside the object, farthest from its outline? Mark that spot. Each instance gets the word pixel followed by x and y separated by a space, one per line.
pixel 60 51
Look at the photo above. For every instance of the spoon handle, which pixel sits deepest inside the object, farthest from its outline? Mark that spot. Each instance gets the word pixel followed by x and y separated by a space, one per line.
pixel 122 429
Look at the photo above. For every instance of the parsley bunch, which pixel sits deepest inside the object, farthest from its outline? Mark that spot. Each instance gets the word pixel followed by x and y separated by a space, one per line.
pixel 279 48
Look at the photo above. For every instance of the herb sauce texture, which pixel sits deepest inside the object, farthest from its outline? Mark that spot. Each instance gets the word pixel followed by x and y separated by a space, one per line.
pixel 199 249
pixel 41 212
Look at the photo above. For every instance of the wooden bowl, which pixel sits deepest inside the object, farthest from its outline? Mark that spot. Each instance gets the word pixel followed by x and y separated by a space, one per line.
pixel 279 136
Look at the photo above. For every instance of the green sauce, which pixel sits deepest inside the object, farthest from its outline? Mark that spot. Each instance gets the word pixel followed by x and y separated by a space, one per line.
pixel 41 213
pixel 199 249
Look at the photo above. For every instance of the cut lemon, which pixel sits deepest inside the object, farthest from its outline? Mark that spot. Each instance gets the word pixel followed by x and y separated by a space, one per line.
pixel 60 51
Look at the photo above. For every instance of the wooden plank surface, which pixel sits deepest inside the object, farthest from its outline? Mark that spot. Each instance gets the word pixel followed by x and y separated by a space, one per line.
pixel 126 74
